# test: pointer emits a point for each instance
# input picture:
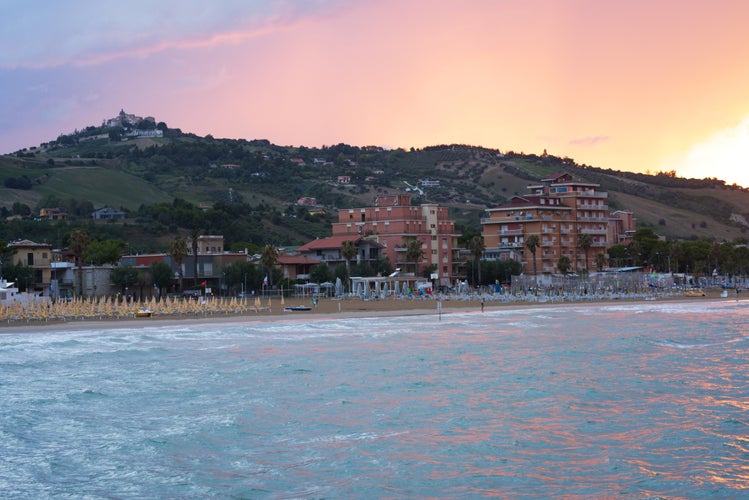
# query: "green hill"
(263, 181)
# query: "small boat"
(695, 292)
(297, 308)
(143, 313)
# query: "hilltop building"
(129, 120)
(569, 218)
(393, 221)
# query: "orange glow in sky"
(639, 85)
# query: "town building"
(205, 267)
(52, 214)
(37, 257)
(621, 227)
(296, 267)
(107, 213)
(570, 218)
(393, 221)
(330, 250)
(207, 243)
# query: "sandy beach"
(328, 309)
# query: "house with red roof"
(296, 267)
(329, 250)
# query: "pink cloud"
(89, 33)
(589, 141)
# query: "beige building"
(207, 243)
(38, 257)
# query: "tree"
(320, 273)
(78, 242)
(643, 245)
(22, 275)
(383, 267)
(617, 254)
(341, 272)
(6, 252)
(268, 258)
(177, 252)
(104, 252)
(348, 252)
(531, 243)
(477, 247)
(194, 234)
(115, 134)
(584, 242)
(21, 209)
(161, 272)
(600, 261)
(564, 264)
(242, 276)
(414, 252)
(124, 277)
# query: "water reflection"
(627, 401)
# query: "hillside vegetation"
(247, 190)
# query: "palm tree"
(585, 241)
(600, 261)
(6, 251)
(194, 235)
(477, 247)
(78, 242)
(268, 258)
(177, 252)
(564, 264)
(348, 252)
(414, 253)
(532, 243)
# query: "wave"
(675, 344)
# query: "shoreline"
(330, 309)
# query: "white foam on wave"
(680, 345)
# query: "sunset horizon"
(641, 87)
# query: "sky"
(637, 85)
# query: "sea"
(625, 400)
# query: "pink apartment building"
(393, 221)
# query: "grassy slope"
(102, 186)
(678, 223)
